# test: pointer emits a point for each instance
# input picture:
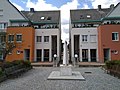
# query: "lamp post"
(75, 61)
(55, 60)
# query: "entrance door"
(106, 55)
(46, 55)
(93, 55)
(38, 55)
(85, 55)
(27, 54)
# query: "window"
(115, 36)
(39, 39)
(3, 25)
(46, 38)
(49, 18)
(2, 39)
(93, 38)
(88, 16)
(1, 55)
(84, 38)
(1, 12)
(19, 37)
(42, 18)
(10, 38)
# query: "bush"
(1, 72)
(17, 62)
(109, 64)
(27, 63)
(6, 64)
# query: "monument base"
(65, 73)
(55, 75)
(65, 70)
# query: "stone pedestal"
(65, 70)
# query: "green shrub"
(109, 64)
(27, 63)
(1, 72)
(6, 64)
(17, 62)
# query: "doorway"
(93, 55)
(106, 54)
(46, 55)
(27, 54)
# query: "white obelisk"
(65, 56)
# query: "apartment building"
(84, 33)
(47, 34)
(41, 27)
(109, 36)
(23, 39)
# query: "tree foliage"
(5, 46)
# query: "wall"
(105, 41)
(28, 34)
(47, 45)
(84, 45)
(9, 12)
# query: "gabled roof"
(37, 17)
(88, 15)
(17, 10)
(113, 10)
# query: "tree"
(6, 45)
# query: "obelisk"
(65, 54)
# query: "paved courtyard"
(36, 79)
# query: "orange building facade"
(23, 38)
(109, 42)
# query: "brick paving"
(36, 79)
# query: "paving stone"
(36, 79)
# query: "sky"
(65, 6)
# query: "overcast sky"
(64, 6)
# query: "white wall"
(47, 45)
(9, 12)
(84, 45)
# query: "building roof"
(37, 17)
(88, 15)
(17, 10)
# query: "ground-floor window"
(85, 55)
(1, 55)
(38, 55)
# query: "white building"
(9, 12)
(84, 33)
(47, 34)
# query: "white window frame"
(84, 38)
(3, 25)
(46, 40)
(116, 39)
(95, 38)
(38, 39)
(1, 12)
(21, 38)
(11, 35)
(42, 18)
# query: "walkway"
(36, 79)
